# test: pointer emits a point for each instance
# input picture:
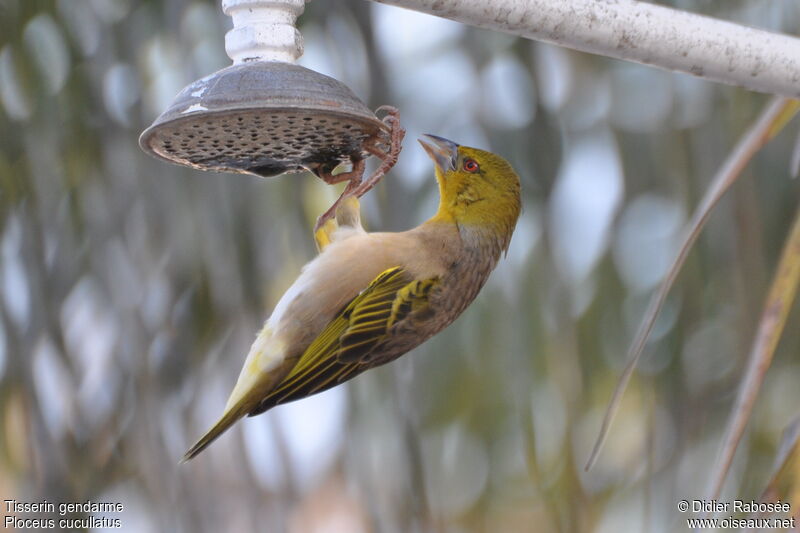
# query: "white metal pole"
(637, 31)
(263, 30)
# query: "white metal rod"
(637, 31)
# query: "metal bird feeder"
(263, 115)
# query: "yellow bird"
(368, 298)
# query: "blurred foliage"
(130, 290)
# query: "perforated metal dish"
(262, 118)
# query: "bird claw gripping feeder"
(265, 115)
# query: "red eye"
(470, 165)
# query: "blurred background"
(130, 289)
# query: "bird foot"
(388, 154)
(357, 186)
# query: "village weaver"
(368, 298)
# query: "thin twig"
(773, 319)
(795, 164)
(783, 483)
(762, 131)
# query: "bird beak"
(443, 152)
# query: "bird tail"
(230, 417)
(264, 368)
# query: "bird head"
(477, 188)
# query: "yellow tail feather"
(230, 417)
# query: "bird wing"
(373, 319)
(338, 353)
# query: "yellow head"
(477, 188)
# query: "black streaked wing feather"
(373, 319)
(413, 298)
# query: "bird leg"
(354, 174)
(354, 177)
